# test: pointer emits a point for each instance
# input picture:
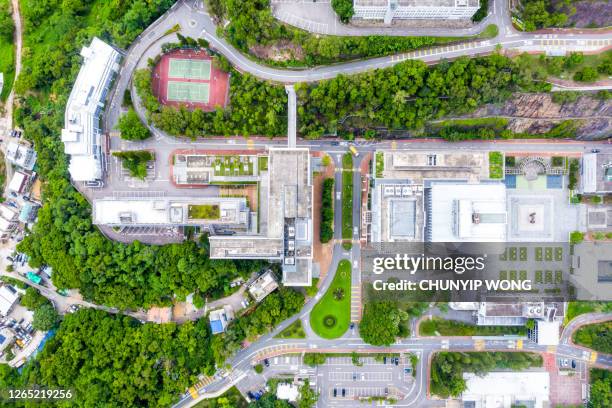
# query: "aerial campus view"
(296, 203)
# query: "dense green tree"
(327, 211)
(6, 25)
(447, 368)
(32, 299)
(601, 385)
(344, 9)
(308, 396)
(45, 317)
(381, 323)
(586, 74)
(135, 161)
(595, 336)
(117, 360)
(275, 308)
(131, 127)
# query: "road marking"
(250, 144)
(593, 357)
(519, 344)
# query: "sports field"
(189, 69)
(188, 78)
(188, 91)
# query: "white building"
(596, 175)
(263, 286)
(220, 318)
(18, 183)
(8, 221)
(388, 10)
(171, 211)
(286, 219)
(21, 155)
(288, 392)
(8, 298)
(82, 129)
(507, 389)
(467, 213)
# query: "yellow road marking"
(593, 357)
(193, 392)
(250, 144)
(519, 344)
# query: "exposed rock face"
(537, 113)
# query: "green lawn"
(577, 308)
(294, 331)
(234, 166)
(204, 212)
(331, 316)
(496, 165)
(231, 398)
(347, 199)
(380, 164)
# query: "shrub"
(586, 74)
(135, 161)
(327, 211)
(329, 321)
(510, 161)
(576, 237)
(131, 127)
(258, 369)
(344, 9)
(557, 161)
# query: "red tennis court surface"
(218, 82)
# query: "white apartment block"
(388, 10)
(82, 130)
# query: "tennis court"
(189, 69)
(188, 91)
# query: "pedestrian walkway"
(355, 303)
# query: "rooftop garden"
(496, 165)
(204, 212)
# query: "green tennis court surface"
(188, 91)
(189, 69)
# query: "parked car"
(267, 362)
(335, 392)
(343, 392)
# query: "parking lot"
(341, 382)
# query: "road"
(267, 346)
(195, 22)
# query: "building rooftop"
(18, 182)
(82, 134)
(418, 166)
(597, 173)
(220, 318)
(21, 155)
(157, 211)
(467, 212)
(285, 219)
(8, 297)
(263, 286)
(286, 391)
(532, 387)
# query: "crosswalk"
(355, 303)
(439, 50)
(274, 351)
(193, 390)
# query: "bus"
(34, 278)
(354, 151)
